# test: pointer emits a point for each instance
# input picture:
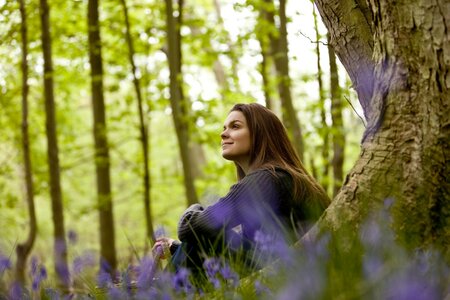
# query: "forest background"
(218, 38)
(111, 115)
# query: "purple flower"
(60, 247)
(5, 264)
(181, 282)
(35, 284)
(116, 294)
(104, 279)
(16, 292)
(38, 273)
(72, 236)
(52, 294)
(83, 261)
(34, 265)
(261, 289)
(217, 271)
(160, 232)
(63, 272)
(228, 275)
(408, 286)
(268, 247)
(372, 266)
(211, 266)
(104, 266)
(146, 272)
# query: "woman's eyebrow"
(232, 122)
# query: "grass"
(362, 264)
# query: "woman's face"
(236, 139)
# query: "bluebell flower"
(145, 273)
(33, 265)
(35, 284)
(261, 289)
(372, 266)
(5, 264)
(181, 282)
(104, 266)
(211, 266)
(16, 292)
(160, 232)
(60, 247)
(407, 286)
(269, 247)
(38, 273)
(72, 236)
(52, 294)
(229, 275)
(85, 260)
(63, 272)
(127, 280)
(104, 279)
(115, 293)
(77, 265)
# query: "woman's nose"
(224, 134)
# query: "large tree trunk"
(337, 131)
(60, 246)
(143, 128)
(279, 49)
(179, 107)
(105, 205)
(398, 56)
(23, 250)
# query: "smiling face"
(236, 139)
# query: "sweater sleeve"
(245, 204)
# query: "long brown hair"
(271, 148)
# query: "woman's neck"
(244, 166)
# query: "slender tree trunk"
(262, 31)
(279, 48)
(179, 109)
(102, 162)
(338, 135)
(143, 128)
(232, 53)
(23, 250)
(406, 147)
(60, 246)
(324, 130)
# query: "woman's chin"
(227, 156)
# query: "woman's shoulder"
(275, 173)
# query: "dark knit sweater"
(261, 201)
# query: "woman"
(274, 194)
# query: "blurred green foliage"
(205, 41)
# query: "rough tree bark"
(102, 163)
(143, 128)
(179, 109)
(60, 245)
(397, 54)
(23, 250)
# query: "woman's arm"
(245, 204)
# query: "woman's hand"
(161, 247)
